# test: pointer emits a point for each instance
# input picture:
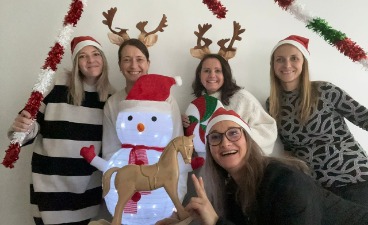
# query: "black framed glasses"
(232, 134)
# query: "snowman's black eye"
(130, 118)
(154, 119)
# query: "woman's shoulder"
(285, 180)
(323, 85)
(243, 94)
(282, 173)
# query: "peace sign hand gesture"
(200, 207)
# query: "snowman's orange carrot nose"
(140, 127)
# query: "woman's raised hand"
(200, 207)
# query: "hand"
(167, 221)
(200, 207)
(23, 122)
(88, 153)
(185, 120)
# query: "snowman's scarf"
(139, 157)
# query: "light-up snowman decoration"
(199, 112)
(144, 127)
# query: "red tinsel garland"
(284, 3)
(216, 7)
(12, 155)
(74, 13)
(55, 56)
(34, 103)
(350, 49)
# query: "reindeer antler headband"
(118, 37)
(199, 51)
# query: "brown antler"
(229, 52)
(150, 38)
(199, 50)
(202, 31)
(109, 18)
(141, 25)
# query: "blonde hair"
(308, 93)
(75, 82)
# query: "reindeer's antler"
(150, 38)
(229, 52)
(199, 50)
(141, 25)
(117, 37)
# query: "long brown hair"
(229, 87)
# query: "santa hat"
(82, 41)
(299, 42)
(153, 87)
(151, 90)
(222, 114)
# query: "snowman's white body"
(158, 132)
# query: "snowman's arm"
(88, 153)
(99, 163)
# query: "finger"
(199, 186)
(26, 114)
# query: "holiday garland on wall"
(45, 77)
(216, 8)
(334, 37)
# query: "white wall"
(29, 28)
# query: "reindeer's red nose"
(140, 127)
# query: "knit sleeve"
(110, 139)
(345, 105)
(263, 126)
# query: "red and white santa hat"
(82, 41)
(151, 91)
(222, 114)
(299, 42)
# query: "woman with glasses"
(243, 186)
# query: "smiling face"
(211, 75)
(133, 64)
(90, 64)
(229, 155)
(288, 65)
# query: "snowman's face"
(144, 127)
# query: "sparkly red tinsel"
(54, 57)
(12, 155)
(216, 7)
(284, 3)
(351, 49)
(34, 103)
(74, 13)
